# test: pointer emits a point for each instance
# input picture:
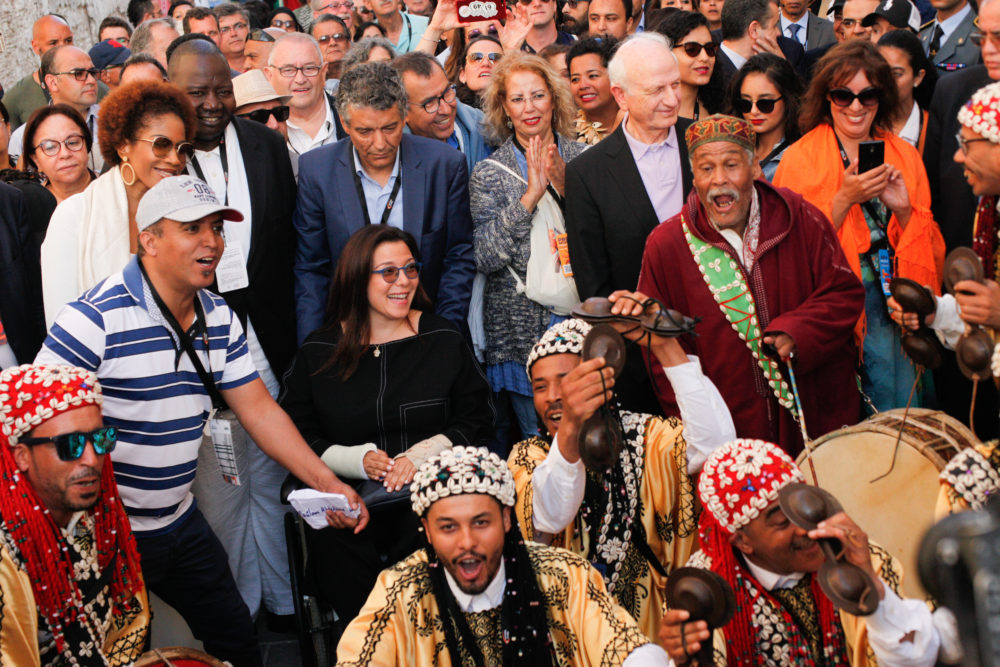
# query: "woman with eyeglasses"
(384, 385)
(881, 215)
(529, 112)
(766, 92)
(915, 78)
(599, 114)
(283, 18)
(145, 130)
(476, 67)
(695, 52)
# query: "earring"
(128, 182)
(510, 125)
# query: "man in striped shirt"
(125, 330)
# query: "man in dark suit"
(381, 175)
(623, 187)
(749, 27)
(801, 25)
(247, 165)
(948, 38)
(22, 320)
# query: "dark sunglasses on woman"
(280, 114)
(692, 49)
(70, 446)
(478, 57)
(764, 105)
(390, 274)
(842, 97)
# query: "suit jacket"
(952, 201)
(794, 54)
(20, 278)
(819, 32)
(435, 193)
(958, 51)
(268, 300)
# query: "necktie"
(793, 30)
(935, 41)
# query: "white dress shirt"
(377, 195)
(911, 131)
(737, 59)
(300, 141)
(659, 167)
(558, 486)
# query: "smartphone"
(871, 154)
(473, 11)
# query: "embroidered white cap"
(183, 198)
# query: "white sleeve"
(60, 259)
(707, 421)
(557, 487)
(948, 324)
(648, 655)
(901, 632)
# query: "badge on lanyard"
(222, 438)
(231, 273)
(885, 270)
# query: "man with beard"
(645, 504)
(764, 271)
(574, 17)
(247, 166)
(783, 618)
(478, 594)
(72, 588)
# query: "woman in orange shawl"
(882, 216)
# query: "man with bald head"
(29, 93)
(247, 165)
(70, 78)
(153, 37)
(258, 48)
(296, 68)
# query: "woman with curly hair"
(529, 111)
(145, 131)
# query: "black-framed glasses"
(432, 105)
(80, 73)
(692, 49)
(764, 105)
(74, 143)
(280, 114)
(478, 56)
(572, 4)
(261, 36)
(842, 97)
(162, 147)
(289, 71)
(390, 274)
(284, 25)
(70, 446)
(337, 37)
(963, 143)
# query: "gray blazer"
(958, 51)
(819, 32)
(513, 322)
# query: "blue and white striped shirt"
(152, 392)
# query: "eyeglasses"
(260, 36)
(230, 28)
(390, 274)
(572, 4)
(284, 25)
(81, 73)
(337, 37)
(432, 105)
(74, 142)
(364, 11)
(289, 71)
(963, 143)
(842, 97)
(479, 57)
(692, 49)
(764, 105)
(335, 5)
(162, 147)
(528, 2)
(848, 24)
(978, 36)
(70, 446)
(280, 114)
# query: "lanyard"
(225, 168)
(364, 201)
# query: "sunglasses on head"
(842, 97)
(390, 274)
(162, 147)
(479, 57)
(261, 36)
(337, 37)
(280, 114)
(764, 105)
(70, 446)
(692, 49)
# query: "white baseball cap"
(182, 198)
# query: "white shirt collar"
(737, 59)
(911, 131)
(488, 599)
(769, 580)
(949, 24)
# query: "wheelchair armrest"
(290, 484)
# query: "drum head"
(180, 656)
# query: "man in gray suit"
(947, 38)
(800, 24)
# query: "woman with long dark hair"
(694, 49)
(384, 385)
(915, 79)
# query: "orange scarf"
(812, 166)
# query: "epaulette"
(927, 25)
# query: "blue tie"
(794, 28)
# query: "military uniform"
(956, 52)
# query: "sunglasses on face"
(70, 446)
(162, 147)
(74, 142)
(337, 37)
(573, 4)
(476, 32)
(284, 25)
(390, 274)
(764, 105)
(80, 73)
(842, 97)
(479, 57)
(692, 49)
(280, 114)
(528, 2)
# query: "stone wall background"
(17, 16)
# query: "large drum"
(898, 509)
(177, 656)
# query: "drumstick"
(802, 419)
(165, 659)
(902, 425)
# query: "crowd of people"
(366, 244)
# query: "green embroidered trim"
(728, 285)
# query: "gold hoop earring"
(127, 182)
